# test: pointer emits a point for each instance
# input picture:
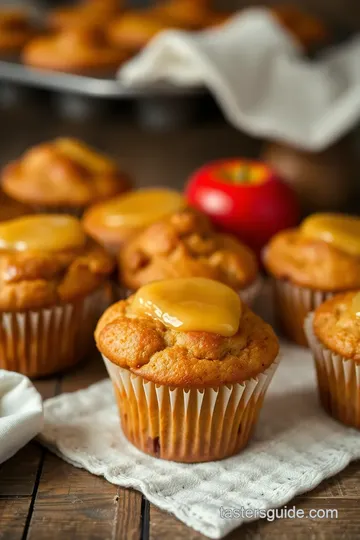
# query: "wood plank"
(18, 474)
(13, 514)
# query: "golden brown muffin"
(15, 30)
(167, 356)
(133, 30)
(310, 261)
(333, 332)
(63, 173)
(89, 13)
(161, 373)
(310, 264)
(114, 222)
(36, 276)
(337, 326)
(76, 50)
(186, 245)
(52, 283)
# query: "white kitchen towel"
(296, 446)
(260, 78)
(21, 413)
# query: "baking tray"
(158, 107)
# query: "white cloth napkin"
(260, 78)
(296, 446)
(21, 413)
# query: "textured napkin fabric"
(21, 413)
(260, 78)
(296, 446)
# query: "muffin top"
(323, 253)
(185, 245)
(63, 172)
(74, 50)
(162, 333)
(114, 221)
(134, 29)
(11, 209)
(47, 259)
(337, 325)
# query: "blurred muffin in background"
(52, 283)
(64, 176)
(15, 30)
(78, 50)
(183, 245)
(133, 30)
(88, 13)
(310, 264)
(114, 222)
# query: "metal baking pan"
(157, 107)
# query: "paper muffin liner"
(292, 304)
(75, 211)
(45, 341)
(248, 295)
(338, 380)
(188, 424)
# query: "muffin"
(184, 14)
(79, 50)
(52, 280)
(310, 264)
(133, 30)
(115, 221)
(15, 30)
(185, 245)
(89, 13)
(190, 365)
(333, 332)
(63, 175)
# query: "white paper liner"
(293, 303)
(188, 424)
(338, 380)
(42, 342)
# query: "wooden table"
(42, 497)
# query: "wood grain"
(13, 514)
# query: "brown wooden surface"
(42, 497)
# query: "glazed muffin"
(80, 50)
(181, 355)
(89, 13)
(133, 30)
(63, 175)
(114, 222)
(52, 280)
(15, 30)
(333, 332)
(185, 244)
(312, 263)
